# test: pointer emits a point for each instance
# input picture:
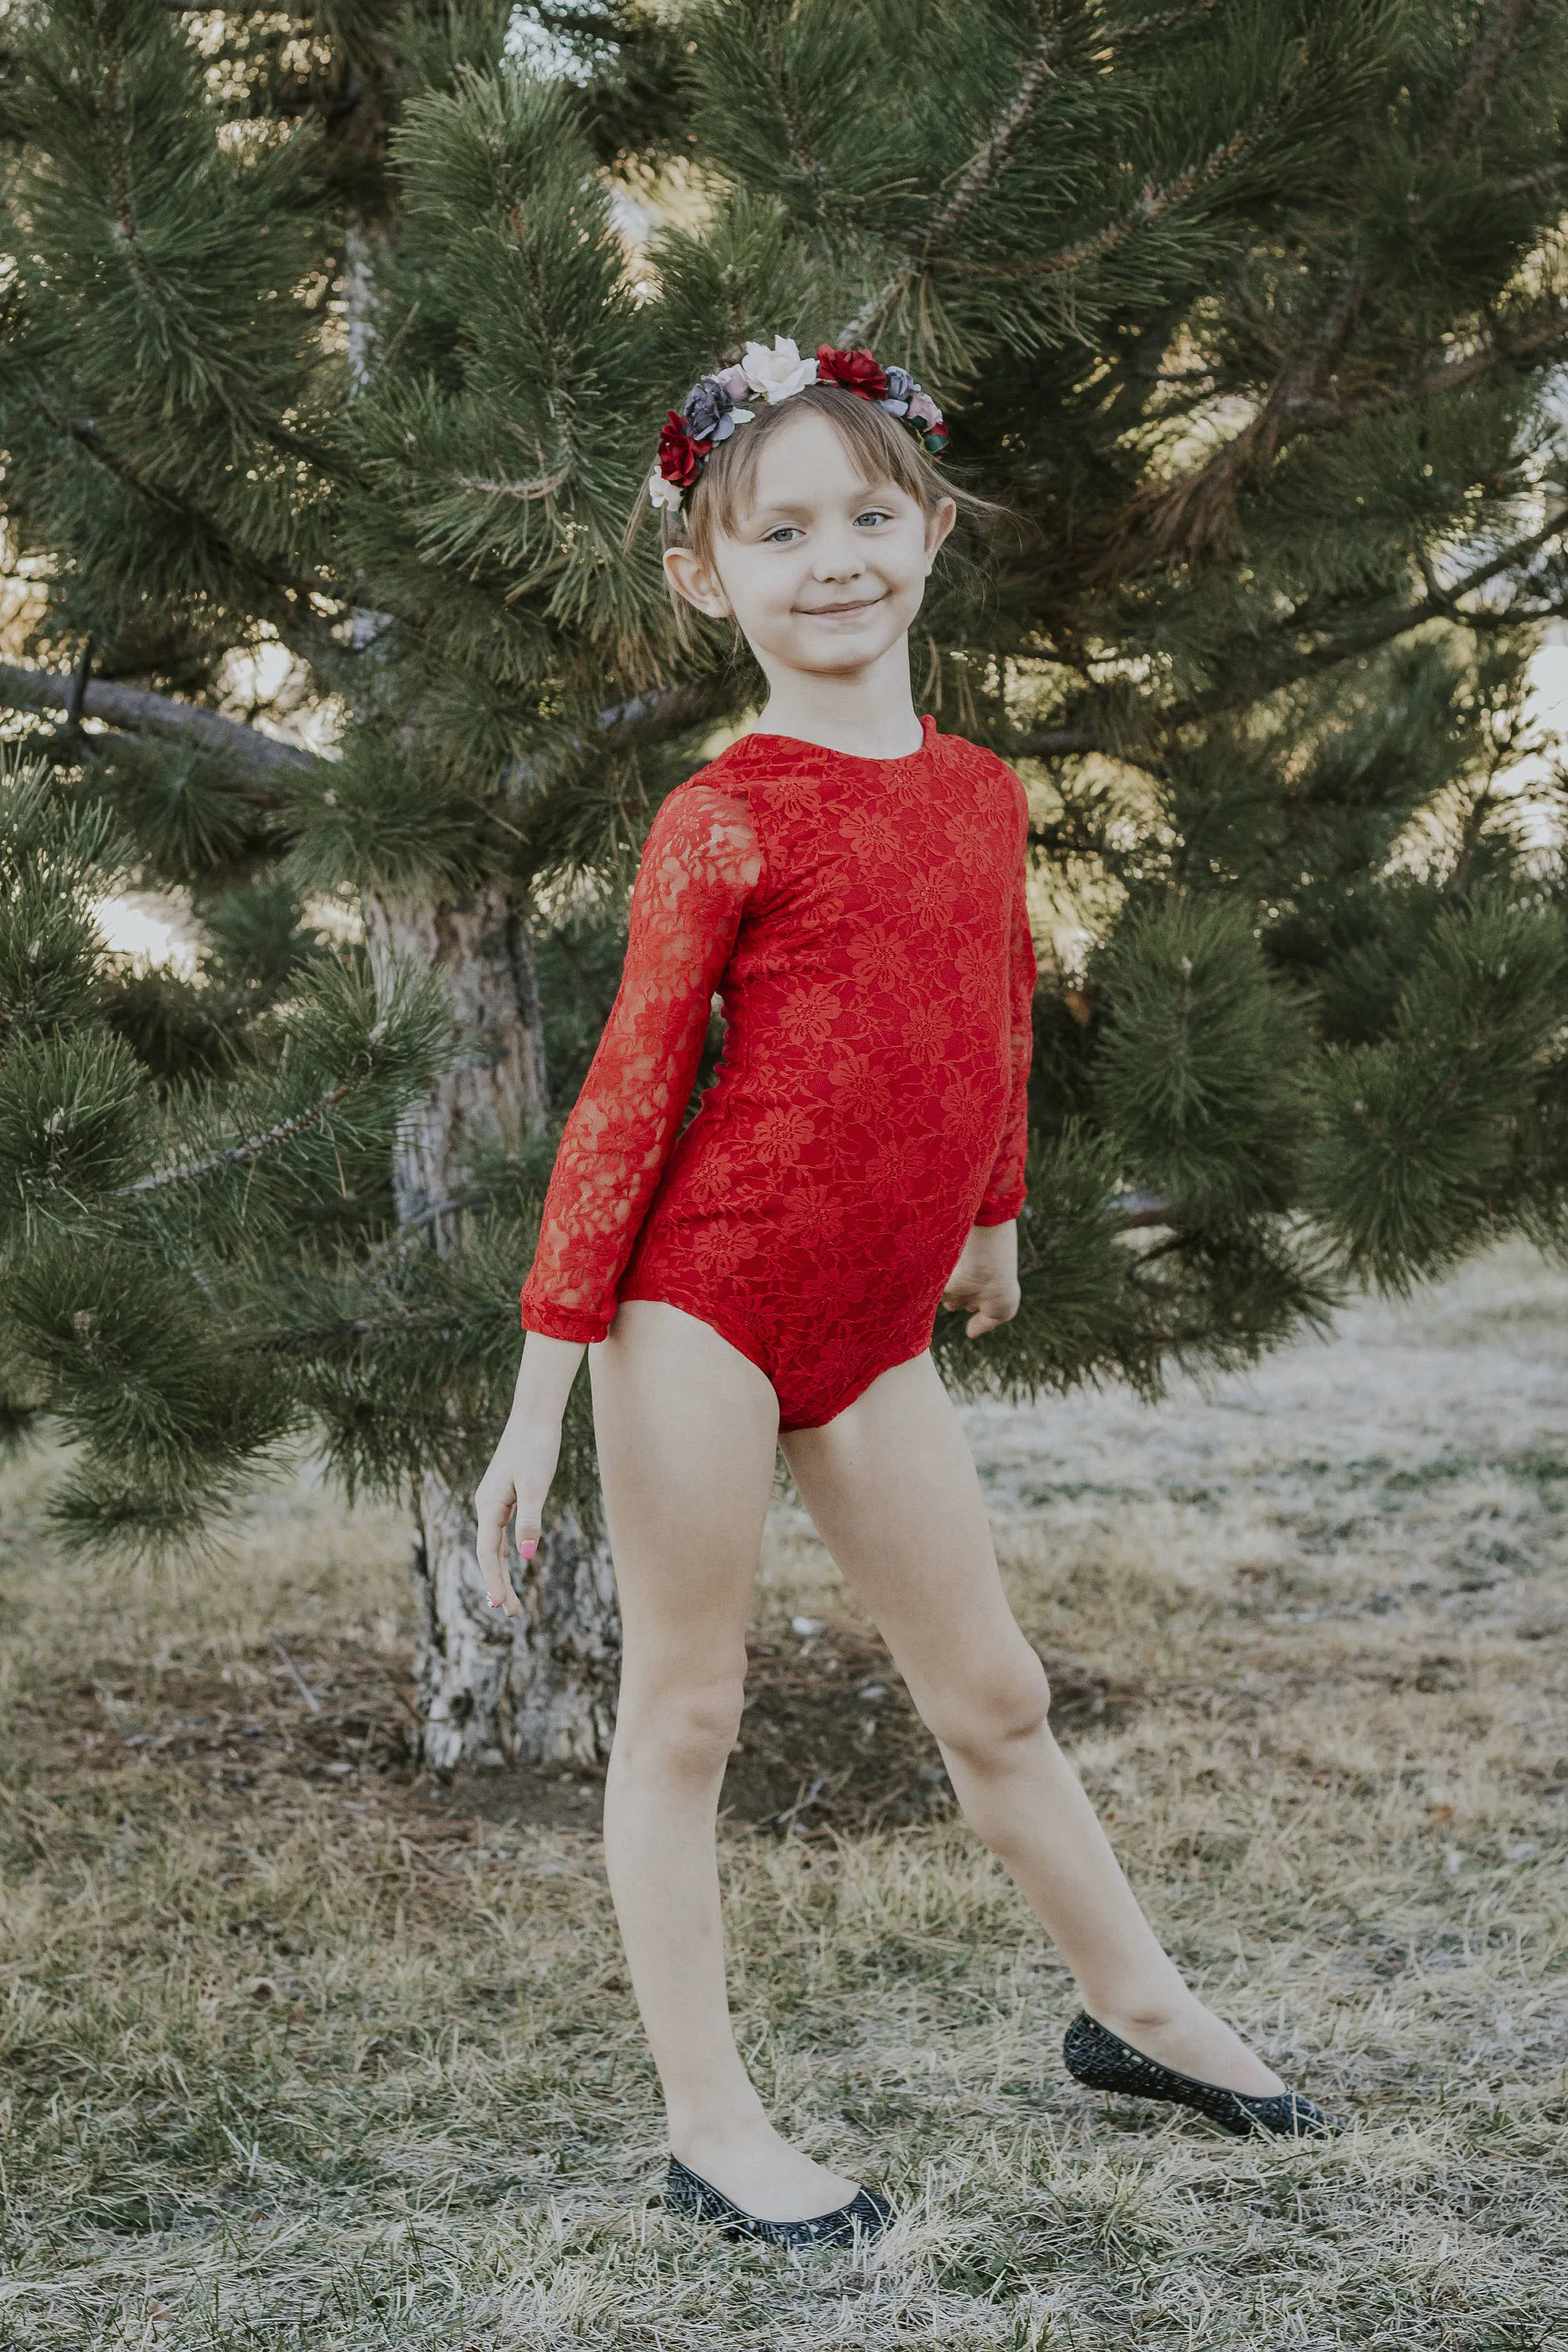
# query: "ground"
(300, 2051)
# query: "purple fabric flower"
(706, 405)
(711, 409)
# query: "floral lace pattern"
(864, 922)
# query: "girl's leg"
(892, 1489)
(687, 1430)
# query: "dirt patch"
(830, 1741)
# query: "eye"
(782, 535)
(872, 515)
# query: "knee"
(985, 1719)
(680, 1729)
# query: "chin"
(843, 662)
(849, 644)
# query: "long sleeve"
(700, 863)
(1004, 1189)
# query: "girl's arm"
(1004, 1189)
(986, 1279)
(524, 1460)
(700, 863)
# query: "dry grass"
(297, 2054)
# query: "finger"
(492, 1563)
(501, 1595)
(489, 1535)
(503, 1591)
(979, 1324)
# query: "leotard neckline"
(860, 759)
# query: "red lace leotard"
(865, 923)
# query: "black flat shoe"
(865, 2216)
(1096, 2056)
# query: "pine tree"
(333, 354)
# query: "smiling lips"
(831, 611)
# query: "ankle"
(1141, 2008)
(715, 2126)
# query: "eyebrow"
(782, 507)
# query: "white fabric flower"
(662, 493)
(727, 422)
(779, 374)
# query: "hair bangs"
(880, 448)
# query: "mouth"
(839, 611)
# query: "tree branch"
(1056, 743)
(542, 486)
(1526, 185)
(139, 711)
(1441, 606)
(189, 1171)
(1189, 510)
(1152, 204)
(1132, 1210)
(985, 166)
(1497, 44)
(1438, 605)
(1168, 20)
(1451, 375)
(86, 435)
(78, 686)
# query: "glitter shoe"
(865, 2216)
(1096, 2056)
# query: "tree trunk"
(538, 1688)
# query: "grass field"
(300, 2052)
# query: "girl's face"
(826, 570)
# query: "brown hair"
(883, 448)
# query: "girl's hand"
(516, 1483)
(986, 1279)
(523, 1463)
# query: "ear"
(939, 522)
(691, 578)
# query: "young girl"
(852, 883)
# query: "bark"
(538, 1688)
(139, 711)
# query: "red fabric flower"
(857, 370)
(679, 457)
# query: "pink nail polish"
(495, 1604)
(527, 1546)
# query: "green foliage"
(141, 1206)
(183, 810)
(163, 375)
(328, 345)
(1421, 1132)
(1202, 1075)
(141, 1365)
(384, 818)
(69, 1123)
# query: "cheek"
(909, 566)
(768, 589)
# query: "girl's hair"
(884, 450)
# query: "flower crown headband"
(710, 412)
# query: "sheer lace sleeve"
(700, 865)
(1004, 1189)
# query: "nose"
(840, 556)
